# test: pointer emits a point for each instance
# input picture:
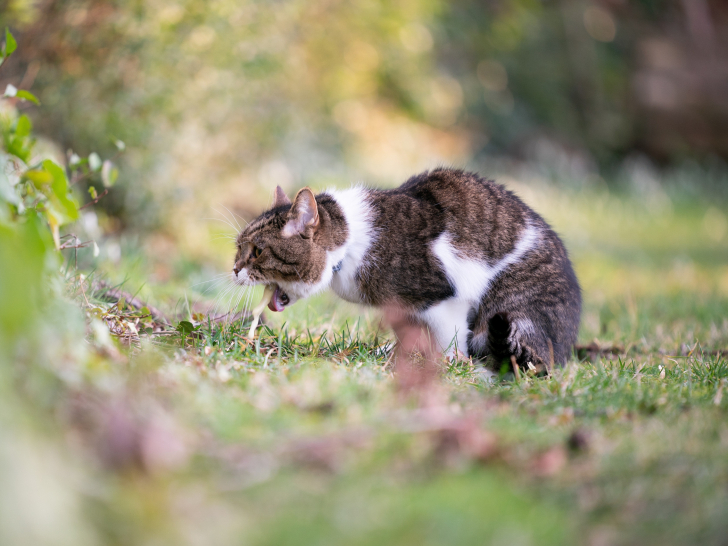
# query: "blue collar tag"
(337, 267)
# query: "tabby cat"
(457, 253)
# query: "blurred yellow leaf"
(39, 177)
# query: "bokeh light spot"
(600, 24)
(416, 38)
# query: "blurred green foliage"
(24, 250)
(36, 201)
(213, 94)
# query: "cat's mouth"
(279, 300)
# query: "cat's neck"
(348, 259)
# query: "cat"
(457, 253)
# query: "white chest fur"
(358, 214)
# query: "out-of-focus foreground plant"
(36, 202)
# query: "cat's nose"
(236, 269)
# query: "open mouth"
(279, 300)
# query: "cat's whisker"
(217, 277)
(235, 297)
(219, 300)
(226, 222)
(246, 304)
(210, 289)
(200, 295)
(212, 282)
(234, 216)
(244, 300)
(237, 303)
(228, 292)
(236, 226)
(218, 283)
(226, 309)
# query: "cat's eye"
(257, 251)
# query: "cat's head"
(282, 248)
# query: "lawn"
(196, 435)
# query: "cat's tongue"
(275, 303)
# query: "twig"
(95, 200)
(66, 246)
(75, 247)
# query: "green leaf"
(97, 312)
(24, 255)
(121, 303)
(64, 208)
(17, 140)
(109, 174)
(185, 327)
(23, 127)
(20, 147)
(39, 177)
(10, 43)
(27, 95)
(92, 192)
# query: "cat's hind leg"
(447, 321)
(507, 335)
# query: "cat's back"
(481, 217)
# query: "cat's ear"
(303, 218)
(280, 197)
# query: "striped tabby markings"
(470, 278)
(297, 290)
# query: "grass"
(306, 436)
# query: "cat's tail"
(505, 340)
(499, 330)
